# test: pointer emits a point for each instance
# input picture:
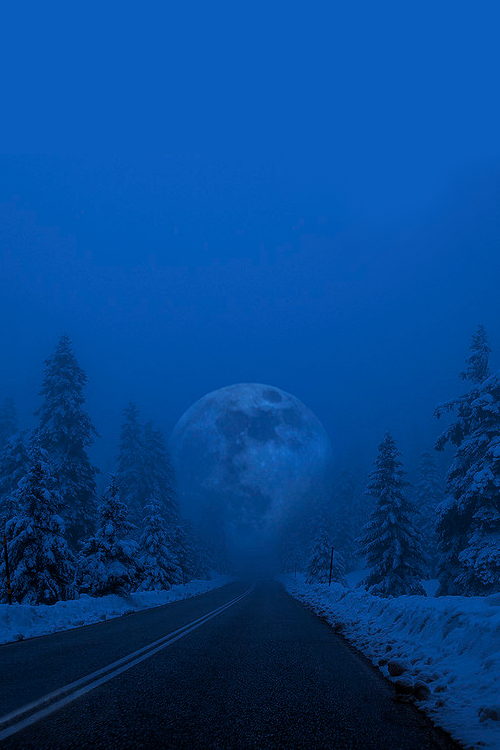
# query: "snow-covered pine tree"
(159, 472)
(42, 565)
(14, 462)
(391, 542)
(318, 568)
(477, 370)
(8, 421)
(476, 485)
(65, 432)
(428, 495)
(108, 562)
(160, 567)
(130, 475)
(453, 521)
(478, 363)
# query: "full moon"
(246, 453)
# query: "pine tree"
(42, 565)
(158, 471)
(160, 568)
(453, 518)
(108, 562)
(8, 421)
(476, 485)
(130, 475)
(428, 495)
(14, 462)
(65, 432)
(478, 363)
(390, 541)
(318, 568)
(477, 370)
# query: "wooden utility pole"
(331, 566)
(7, 572)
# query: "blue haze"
(337, 234)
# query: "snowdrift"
(21, 621)
(445, 652)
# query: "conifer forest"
(250, 376)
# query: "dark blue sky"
(335, 230)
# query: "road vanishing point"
(243, 666)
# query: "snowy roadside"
(21, 621)
(444, 650)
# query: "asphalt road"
(263, 673)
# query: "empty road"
(240, 667)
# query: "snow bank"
(450, 644)
(21, 621)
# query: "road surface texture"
(263, 673)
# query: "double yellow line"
(29, 714)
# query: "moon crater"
(247, 452)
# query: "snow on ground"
(20, 621)
(449, 646)
(430, 587)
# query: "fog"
(250, 375)
(343, 250)
(368, 325)
(168, 294)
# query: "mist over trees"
(61, 539)
(325, 564)
(160, 563)
(401, 534)
(456, 512)
(14, 462)
(109, 560)
(428, 494)
(65, 431)
(474, 480)
(43, 565)
(391, 542)
(8, 421)
(348, 517)
(129, 475)
(158, 470)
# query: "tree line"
(60, 538)
(407, 534)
